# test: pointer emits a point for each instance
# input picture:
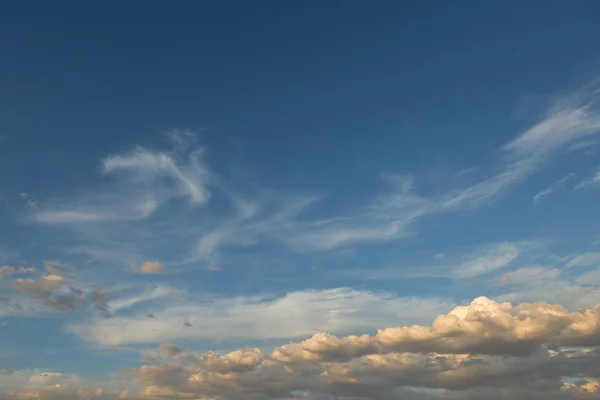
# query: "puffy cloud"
(6, 270)
(48, 290)
(170, 350)
(151, 267)
(483, 327)
(484, 349)
(586, 386)
(248, 375)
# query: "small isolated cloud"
(28, 201)
(213, 268)
(151, 267)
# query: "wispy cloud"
(593, 181)
(571, 120)
(147, 180)
(584, 260)
(556, 185)
(489, 259)
(260, 317)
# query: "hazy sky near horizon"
(206, 200)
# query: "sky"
(337, 200)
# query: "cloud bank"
(486, 348)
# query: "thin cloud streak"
(148, 179)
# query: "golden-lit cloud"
(484, 349)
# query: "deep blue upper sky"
(409, 149)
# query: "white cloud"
(540, 195)
(391, 215)
(294, 315)
(147, 166)
(489, 349)
(148, 295)
(589, 277)
(490, 258)
(593, 181)
(148, 179)
(584, 260)
(556, 185)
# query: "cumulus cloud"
(151, 267)
(486, 348)
(464, 353)
(483, 327)
(7, 270)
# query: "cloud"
(489, 349)
(147, 166)
(584, 260)
(593, 181)
(6, 270)
(151, 267)
(556, 185)
(261, 317)
(147, 296)
(585, 386)
(483, 327)
(52, 385)
(529, 275)
(170, 350)
(28, 201)
(49, 291)
(541, 195)
(491, 258)
(148, 179)
(390, 216)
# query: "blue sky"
(219, 175)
